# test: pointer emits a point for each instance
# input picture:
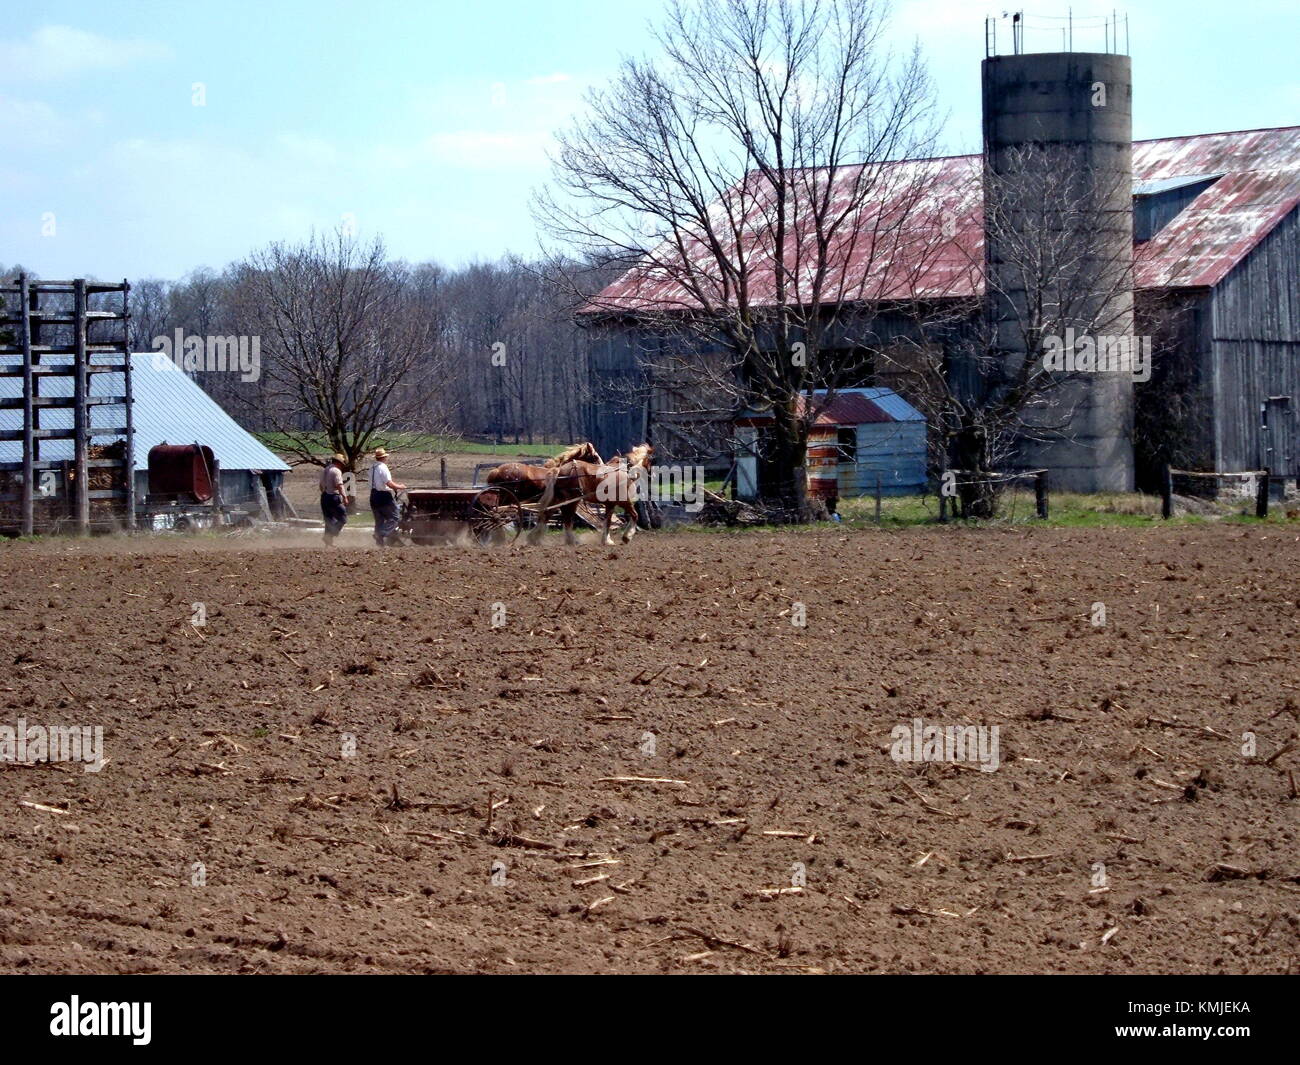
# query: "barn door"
(1278, 433)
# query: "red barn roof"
(921, 234)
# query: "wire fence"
(1214, 491)
(982, 493)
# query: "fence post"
(442, 471)
(1261, 495)
(877, 498)
(1167, 493)
(1040, 494)
(29, 410)
(81, 410)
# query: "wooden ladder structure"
(49, 331)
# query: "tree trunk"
(788, 484)
(970, 457)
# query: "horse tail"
(548, 495)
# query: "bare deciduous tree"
(349, 340)
(746, 179)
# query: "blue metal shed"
(878, 432)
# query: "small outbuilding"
(167, 408)
(860, 437)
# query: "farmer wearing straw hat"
(333, 497)
(383, 499)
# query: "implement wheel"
(495, 516)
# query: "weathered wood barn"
(1216, 275)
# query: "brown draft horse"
(527, 482)
(614, 484)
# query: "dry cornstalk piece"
(591, 880)
(331, 839)
(513, 840)
(43, 808)
(595, 862)
(930, 805)
(1265, 930)
(311, 802)
(595, 904)
(641, 780)
(786, 833)
(718, 941)
(437, 837)
(1106, 938)
(773, 892)
(911, 911)
(1027, 857)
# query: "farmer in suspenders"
(383, 500)
(333, 497)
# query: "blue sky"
(428, 122)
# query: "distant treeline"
(504, 359)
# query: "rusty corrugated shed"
(851, 406)
(921, 235)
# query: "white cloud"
(548, 79)
(479, 148)
(55, 52)
(29, 123)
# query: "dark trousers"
(384, 505)
(335, 513)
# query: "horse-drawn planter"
(490, 515)
(519, 497)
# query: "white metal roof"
(169, 408)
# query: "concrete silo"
(1058, 130)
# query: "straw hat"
(340, 458)
(380, 454)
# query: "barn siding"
(615, 410)
(1255, 325)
